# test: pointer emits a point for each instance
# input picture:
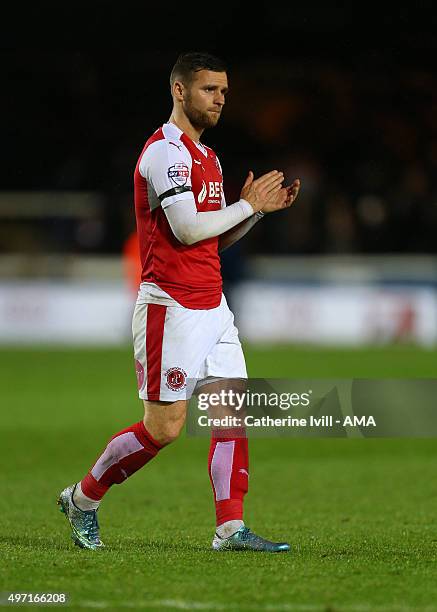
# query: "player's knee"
(170, 435)
(168, 432)
(164, 420)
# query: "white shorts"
(177, 348)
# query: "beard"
(199, 119)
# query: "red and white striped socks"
(228, 466)
(133, 447)
(126, 452)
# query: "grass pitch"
(360, 514)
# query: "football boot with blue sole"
(84, 524)
(245, 539)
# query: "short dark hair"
(194, 61)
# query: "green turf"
(360, 514)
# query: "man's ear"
(178, 90)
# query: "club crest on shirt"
(176, 379)
(178, 173)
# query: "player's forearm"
(190, 226)
(231, 236)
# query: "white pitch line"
(181, 604)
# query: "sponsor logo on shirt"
(215, 189)
(202, 195)
(214, 192)
(179, 173)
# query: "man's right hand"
(260, 191)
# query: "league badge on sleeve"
(179, 173)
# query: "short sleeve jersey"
(171, 168)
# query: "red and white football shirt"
(171, 168)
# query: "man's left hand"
(283, 198)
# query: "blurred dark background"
(343, 97)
